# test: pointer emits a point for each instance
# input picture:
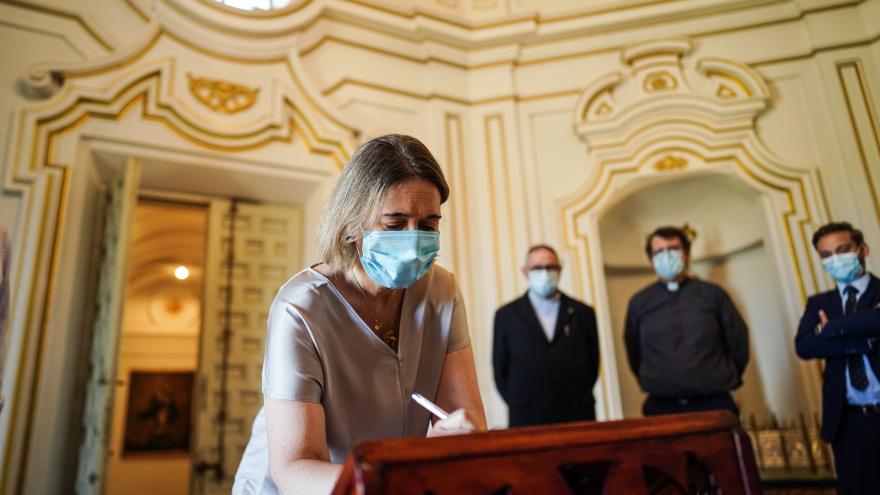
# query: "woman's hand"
(459, 422)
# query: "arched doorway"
(732, 250)
(668, 117)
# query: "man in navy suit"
(546, 349)
(842, 326)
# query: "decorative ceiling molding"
(434, 32)
(426, 35)
(302, 101)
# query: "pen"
(434, 408)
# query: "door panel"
(112, 278)
(267, 247)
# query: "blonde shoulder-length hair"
(355, 201)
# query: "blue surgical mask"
(844, 267)
(543, 282)
(398, 259)
(669, 263)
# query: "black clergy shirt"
(686, 343)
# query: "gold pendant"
(377, 327)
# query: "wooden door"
(123, 194)
(265, 244)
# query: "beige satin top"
(319, 350)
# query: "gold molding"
(659, 81)
(867, 101)
(669, 163)
(724, 92)
(222, 96)
(44, 131)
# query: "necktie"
(855, 364)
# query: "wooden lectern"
(701, 453)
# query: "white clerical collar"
(861, 284)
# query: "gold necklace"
(388, 337)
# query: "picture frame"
(158, 418)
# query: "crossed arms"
(818, 337)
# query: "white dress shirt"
(547, 310)
(870, 395)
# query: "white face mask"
(844, 267)
(668, 264)
(543, 282)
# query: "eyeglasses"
(551, 268)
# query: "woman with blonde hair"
(349, 339)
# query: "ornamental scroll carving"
(222, 96)
(661, 74)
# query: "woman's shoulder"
(303, 287)
(442, 284)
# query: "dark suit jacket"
(546, 382)
(843, 336)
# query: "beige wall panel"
(109, 23)
(33, 43)
(30, 46)
(850, 87)
(391, 114)
(788, 127)
(490, 83)
(815, 132)
(485, 244)
(334, 66)
(568, 75)
(862, 113)
(76, 36)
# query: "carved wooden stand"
(703, 453)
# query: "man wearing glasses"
(686, 342)
(842, 326)
(545, 352)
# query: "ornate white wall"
(509, 96)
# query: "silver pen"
(430, 406)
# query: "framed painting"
(158, 418)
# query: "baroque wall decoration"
(665, 114)
(222, 96)
(135, 82)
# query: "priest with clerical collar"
(686, 342)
